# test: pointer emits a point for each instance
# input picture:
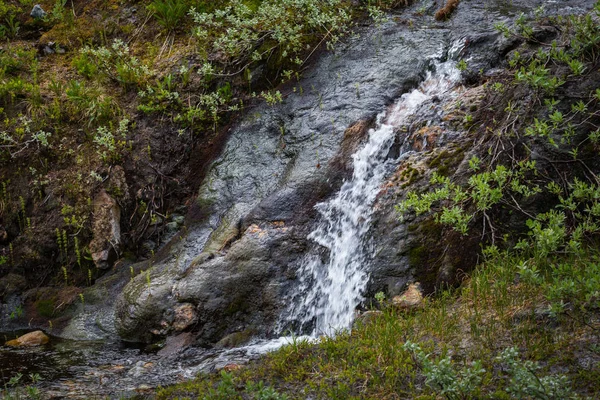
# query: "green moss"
(410, 175)
(417, 255)
(45, 308)
(239, 304)
(447, 161)
(437, 159)
(237, 338)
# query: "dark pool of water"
(71, 369)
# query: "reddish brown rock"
(231, 367)
(106, 244)
(185, 316)
(36, 338)
(425, 138)
(175, 344)
(411, 298)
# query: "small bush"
(116, 63)
(524, 382)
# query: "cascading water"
(331, 289)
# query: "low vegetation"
(495, 337)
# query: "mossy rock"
(236, 339)
(45, 307)
(447, 161)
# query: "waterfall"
(331, 288)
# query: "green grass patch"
(495, 337)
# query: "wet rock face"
(236, 265)
(416, 247)
(240, 257)
(219, 294)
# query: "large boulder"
(218, 294)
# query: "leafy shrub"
(13, 88)
(14, 390)
(442, 376)
(58, 12)
(109, 143)
(159, 98)
(22, 137)
(557, 252)
(521, 378)
(16, 59)
(523, 381)
(283, 26)
(117, 64)
(84, 66)
(539, 77)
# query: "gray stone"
(140, 368)
(178, 219)
(38, 12)
(172, 227)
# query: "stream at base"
(83, 369)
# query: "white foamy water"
(331, 289)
